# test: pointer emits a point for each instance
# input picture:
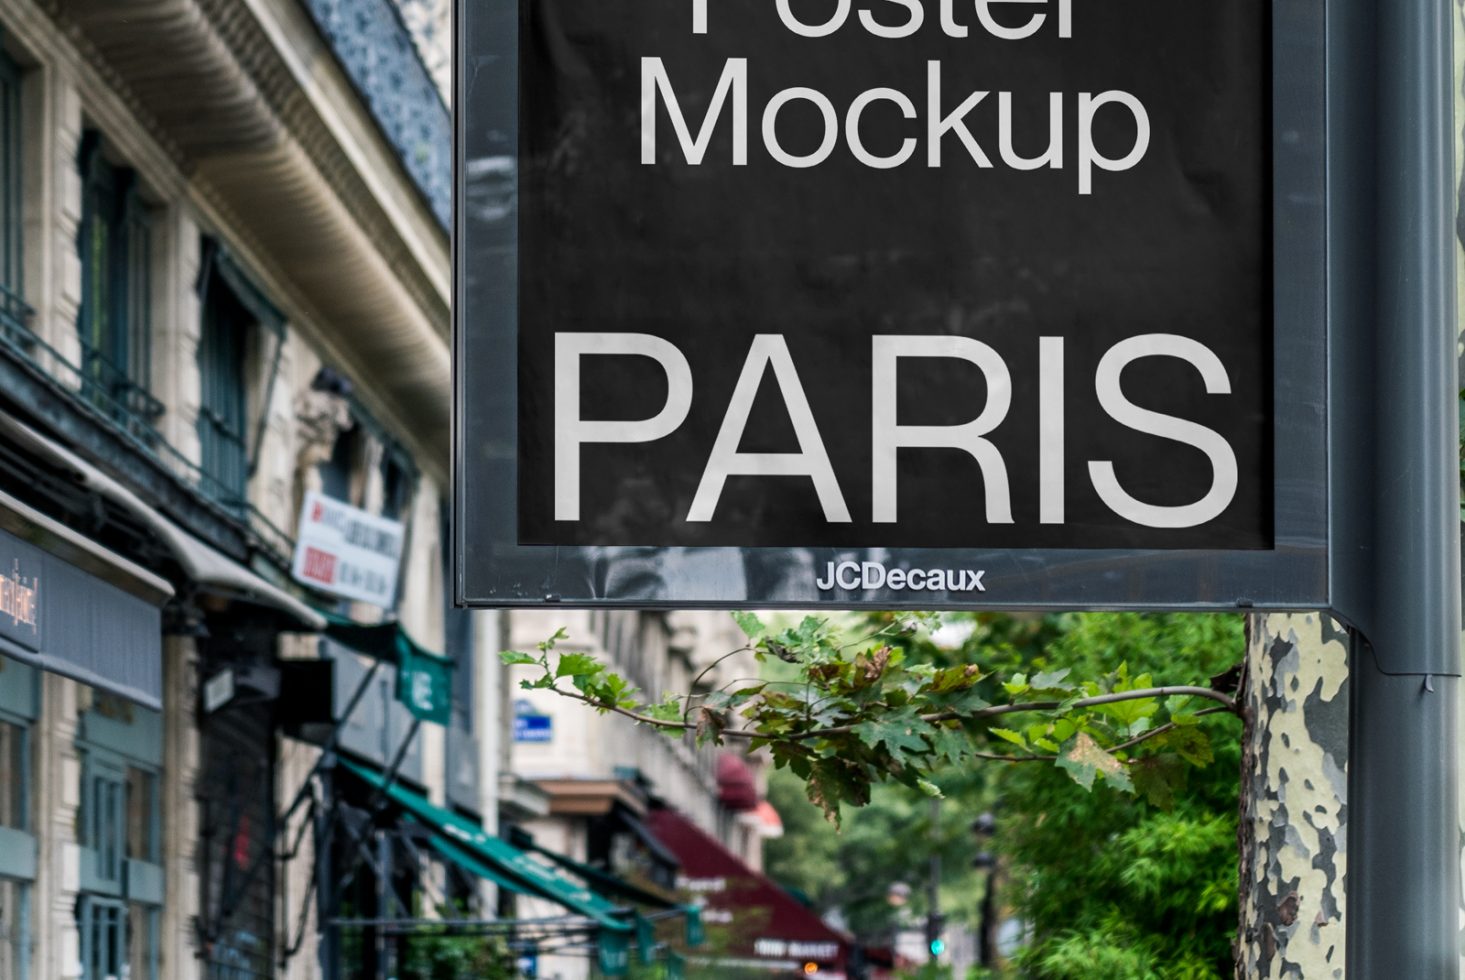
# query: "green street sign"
(425, 685)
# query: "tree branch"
(692, 688)
(1226, 703)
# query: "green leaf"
(1050, 680)
(930, 788)
(1009, 735)
(1083, 759)
(512, 657)
(954, 679)
(547, 645)
(900, 738)
(578, 665)
(669, 709)
(750, 624)
(1157, 778)
(1018, 685)
(1191, 743)
(949, 743)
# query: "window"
(142, 941)
(120, 831)
(142, 842)
(336, 473)
(13, 311)
(15, 931)
(397, 484)
(114, 241)
(221, 360)
(103, 796)
(14, 775)
(103, 936)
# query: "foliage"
(862, 710)
(851, 870)
(1107, 885)
(438, 953)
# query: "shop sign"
(115, 648)
(883, 304)
(20, 605)
(795, 949)
(218, 690)
(347, 552)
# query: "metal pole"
(1396, 487)
(327, 895)
(933, 886)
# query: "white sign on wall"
(347, 552)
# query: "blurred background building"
(243, 732)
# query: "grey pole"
(1395, 485)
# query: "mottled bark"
(1294, 799)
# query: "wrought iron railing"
(98, 389)
(114, 392)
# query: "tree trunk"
(1294, 799)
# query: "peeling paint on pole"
(1294, 799)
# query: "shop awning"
(762, 924)
(638, 828)
(386, 641)
(476, 850)
(73, 608)
(204, 565)
(603, 882)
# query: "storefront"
(89, 768)
(754, 928)
(72, 608)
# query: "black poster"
(901, 273)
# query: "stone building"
(224, 306)
(223, 284)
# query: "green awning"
(424, 678)
(456, 855)
(386, 642)
(602, 881)
(502, 862)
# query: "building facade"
(223, 285)
(224, 311)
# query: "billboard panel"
(890, 303)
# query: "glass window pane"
(142, 942)
(142, 810)
(14, 929)
(12, 776)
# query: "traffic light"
(935, 923)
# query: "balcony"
(112, 421)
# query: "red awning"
(762, 924)
(736, 787)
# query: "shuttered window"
(222, 421)
(114, 241)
